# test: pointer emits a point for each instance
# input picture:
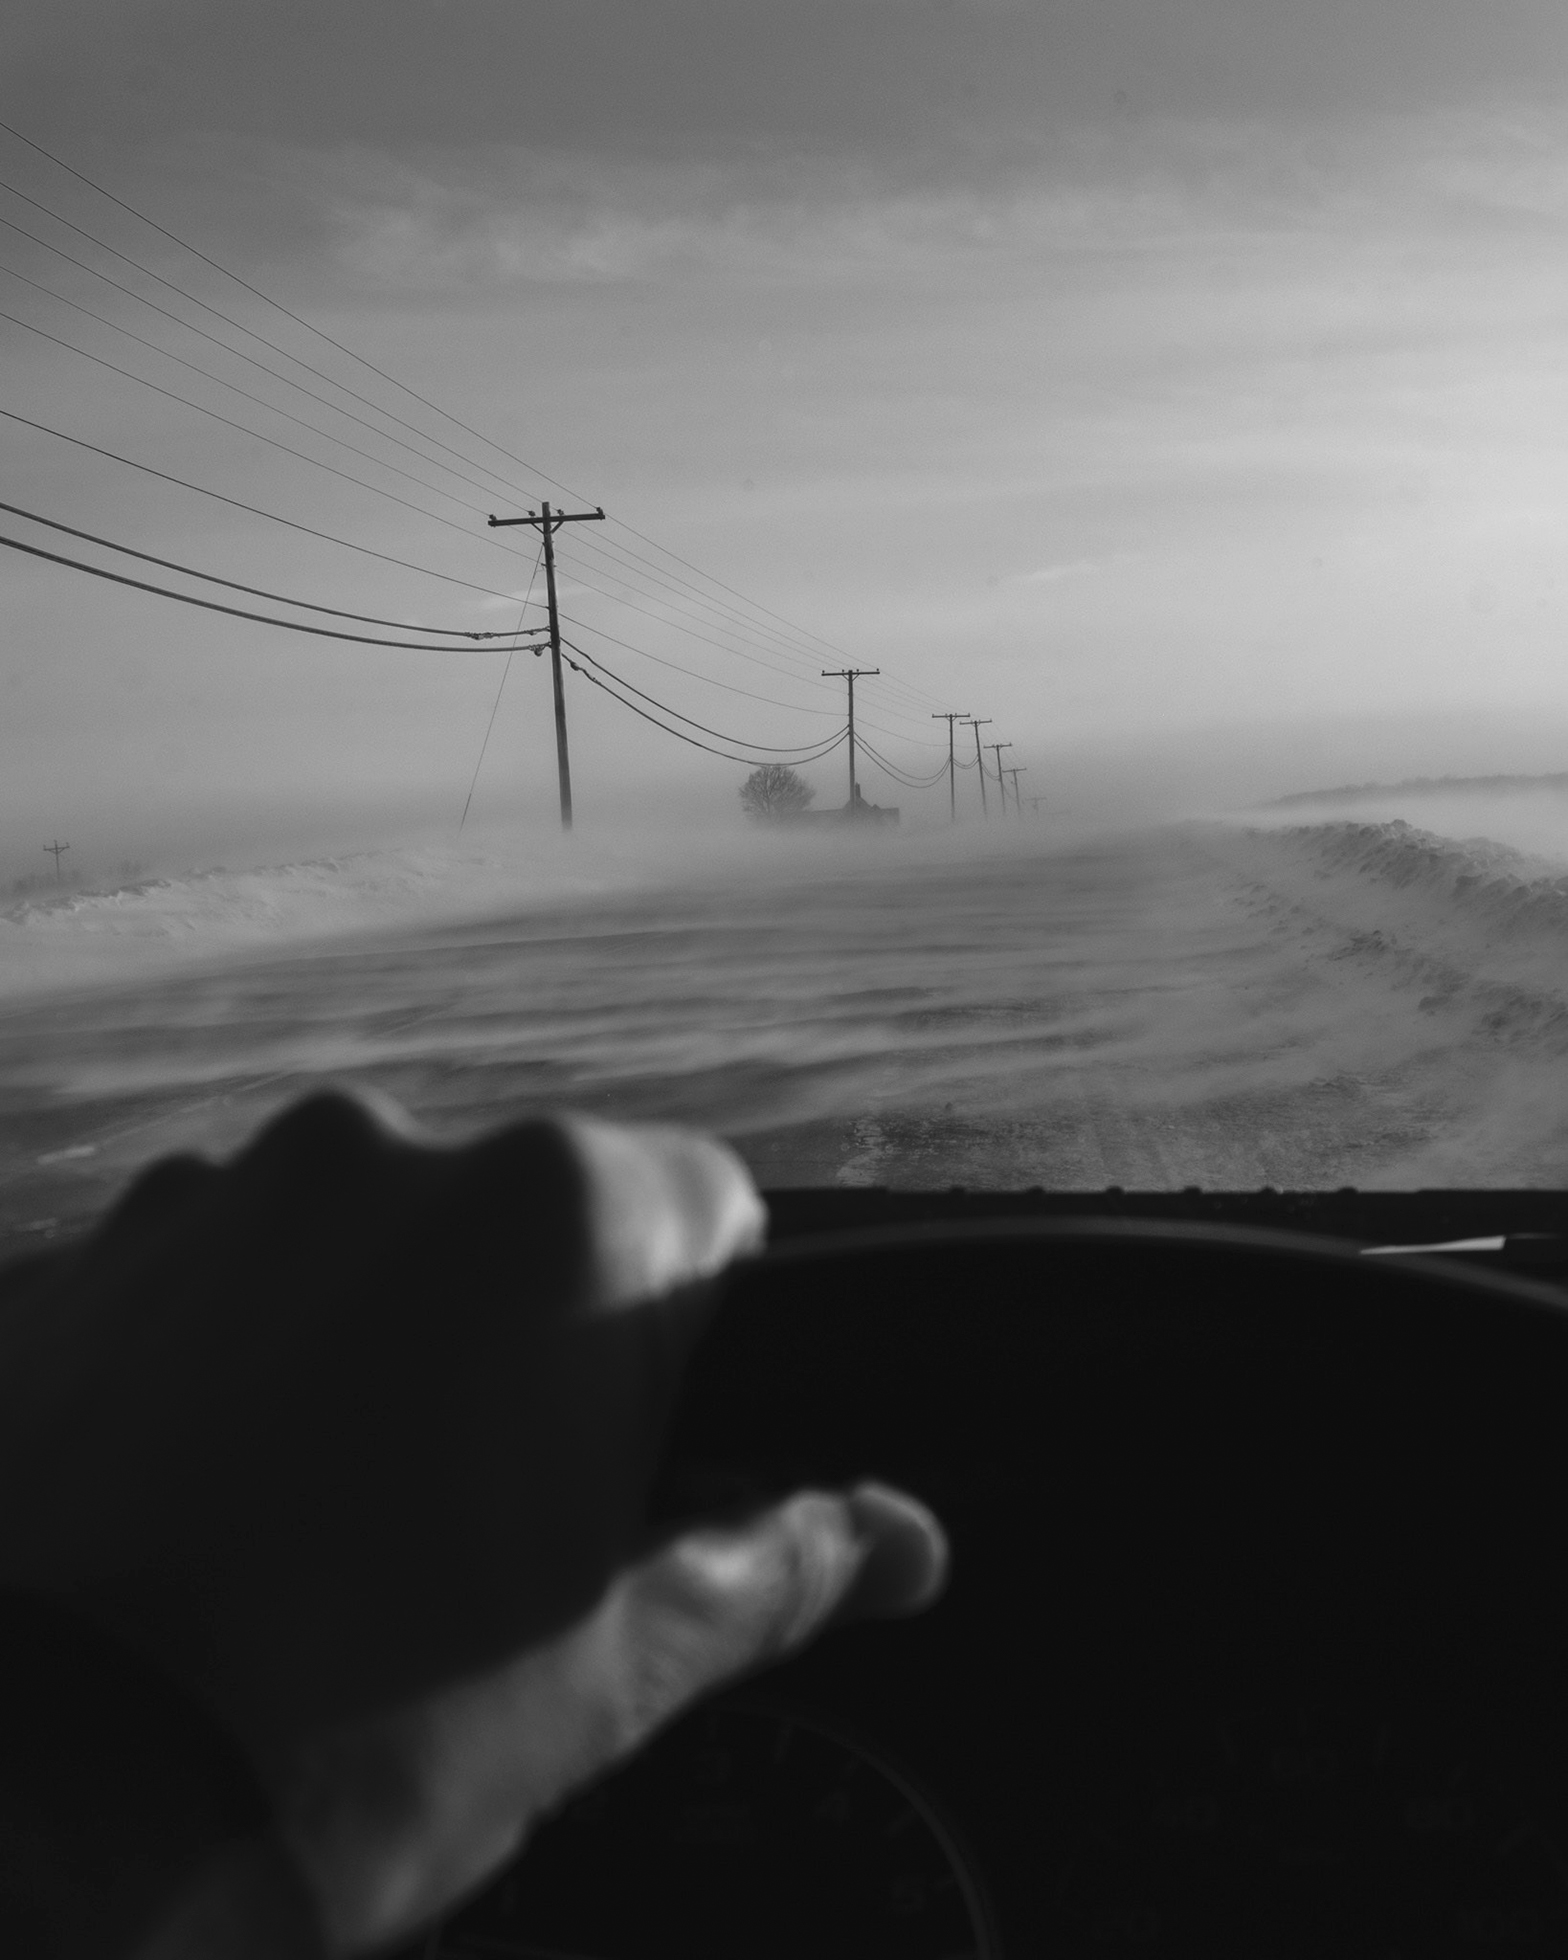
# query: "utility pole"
(57, 847)
(850, 674)
(1035, 802)
(952, 781)
(549, 523)
(1018, 805)
(971, 722)
(1000, 785)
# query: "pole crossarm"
(850, 674)
(555, 519)
(549, 522)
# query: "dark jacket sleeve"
(116, 1791)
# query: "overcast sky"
(1181, 383)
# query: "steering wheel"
(1256, 1636)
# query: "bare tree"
(774, 791)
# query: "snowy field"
(1353, 998)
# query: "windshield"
(964, 593)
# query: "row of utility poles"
(548, 522)
(977, 723)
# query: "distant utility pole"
(1018, 805)
(850, 674)
(970, 722)
(1035, 802)
(549, 523)
(952, 789)
(1000, 785)
(57, 848)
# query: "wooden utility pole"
(850, 674)
(1035, 802)
(970, 722)
(57, 848)
(549, 523)
(952, 781)
(1022, 770)
(1000, 785)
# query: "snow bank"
(72, 939)
(1478, 925)
(78, 938)
(1471, 884)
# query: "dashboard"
(1256, 1631)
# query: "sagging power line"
(605, 687)
(254, 510)
(799, 751)
(804, 635)
(260, 592)
(792, 642)
(234, 612)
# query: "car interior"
(1253, 1636)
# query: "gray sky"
(1179, 383)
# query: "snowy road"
(1335, 1005)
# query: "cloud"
(924, 93)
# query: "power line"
(899, 775)
(255, 510)
(256, 591)
(244, 429)
(743, 759)
(371, 367)
(272, 408)
(631, 606)
(227, 318)
(720, 622)
(496, 709)
(727, 617)
(795, 647)
(770, 666)
(376, 489)
(236, 353)
(707, 679)
(691, 673)
(262, 402)
(341, 387)
(211, 605)
(740, 741)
